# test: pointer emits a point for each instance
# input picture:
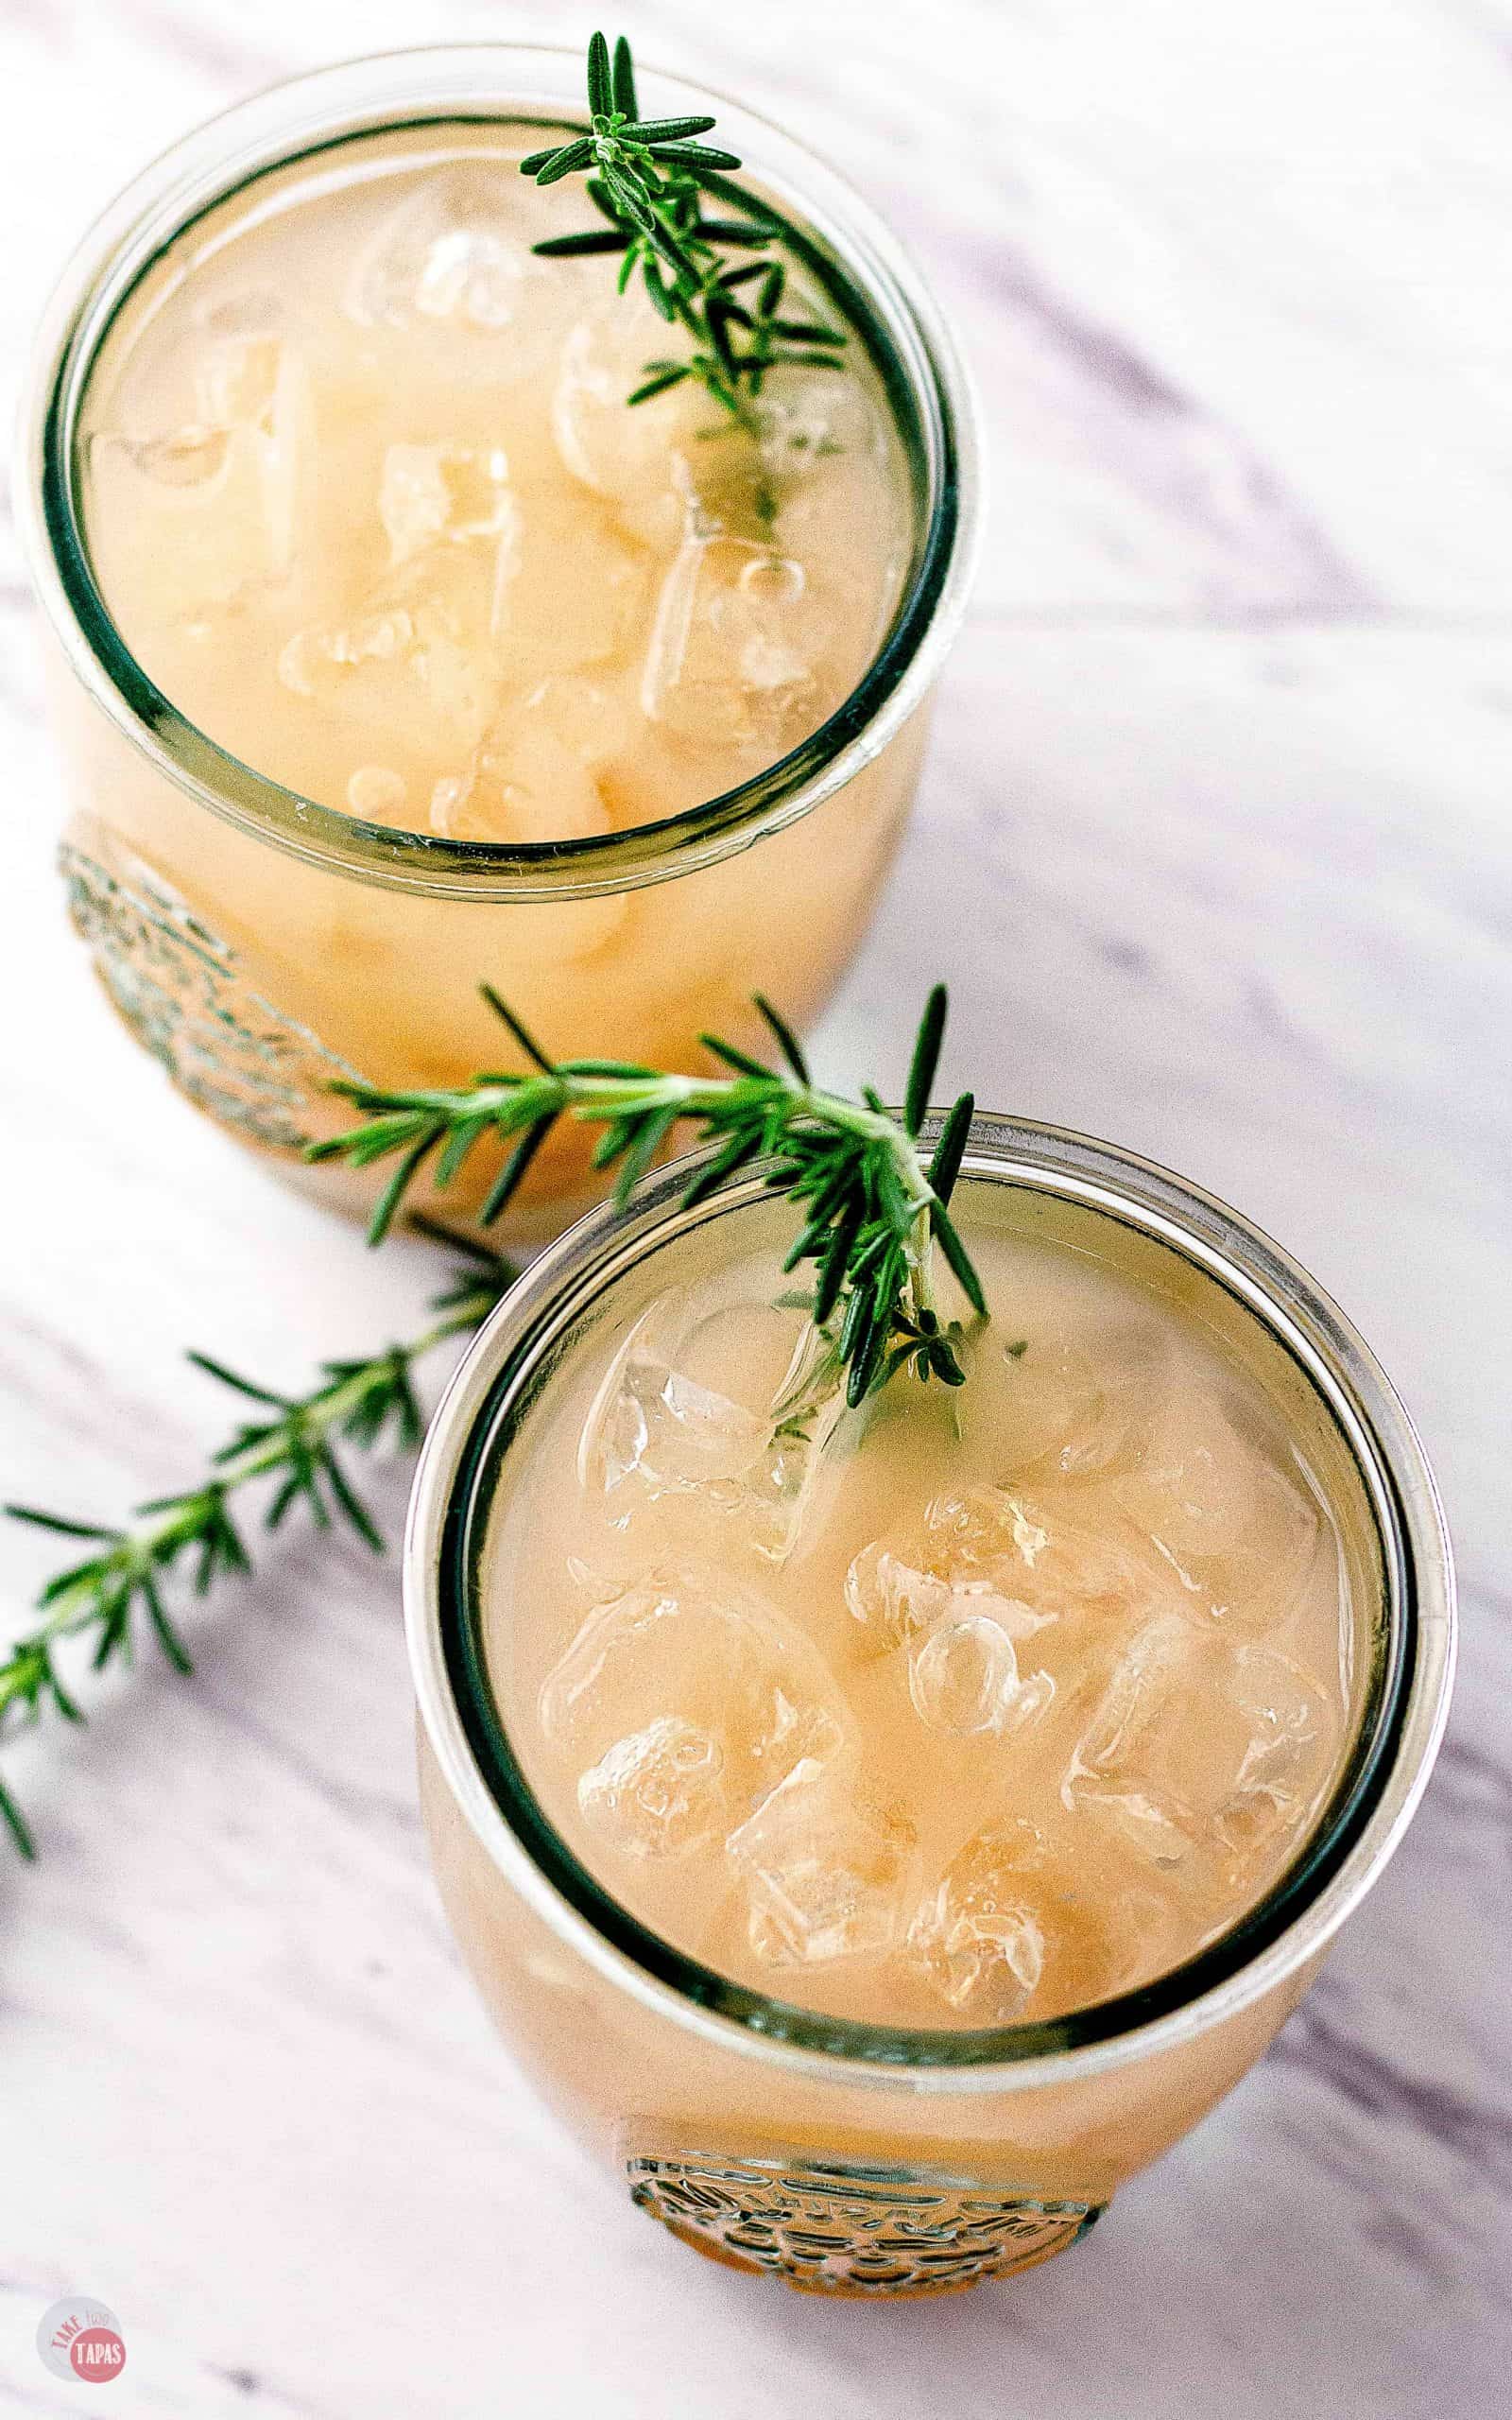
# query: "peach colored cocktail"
(883, 1832)
(411, 654)
(968, 1707)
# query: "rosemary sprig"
(872, 1211)
(648, 177)
(291, 1442)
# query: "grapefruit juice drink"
(967, 1707)
(367, 500)
(882, 1832)
(413, 654)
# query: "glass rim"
(1334, 1867)
(431, 85)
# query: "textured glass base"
(178, 988)
(827, 2228)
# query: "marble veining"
(1213, 845)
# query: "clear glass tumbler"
(260, 946)
(861, 2158)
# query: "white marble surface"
(1214, 845)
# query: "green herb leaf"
(955, 1252)
(672, 375)
(55, 1521)
(625, 79)
(564, 247)
(925, 1059)
(600, 80)
(668, 130)
(229, 1378)
(701, 155)
(787, 1040)
(869, 1211)
(525, 1039)
(511, 1177)
(946, 1164)
(563, 163)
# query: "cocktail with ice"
(368, 501)
(412, 652)
(1006, 1705)
(882, 1830)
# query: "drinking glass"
(263, 946)
(863, 2158)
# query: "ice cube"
(1238, 1533)
(670, 1432)
(1010, 1929)
(410, 669)
(593, 717)
(675, 467)
(313, 659)
(454, 254)
(194, 455)
(658, 1792)
(809, 418)
(830, 1874)
(236, 380)
(656, 777)
(376, 793)
(449, 494)
(656, 1433)
(1120, 1765)
(895, 1601)
(725, 488)
(625, 454)
(243, 311)
(978, 1938)
(570, 589)
(397, 675)
(523, 785)
(892, 1600)
(1056, 1554)
(818, 516)
(1196, 1750)
(824, 453)
(736, 647)
(964, 1677)
(212, 512)
(691, 1646)
(1075, 1412)
(1120, 1925)
(1289, 1733)
(451, 676)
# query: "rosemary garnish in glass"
(647, 179)
(872, 1211)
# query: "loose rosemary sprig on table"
(290, 1442)
(872, 1211)
(647, 177)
